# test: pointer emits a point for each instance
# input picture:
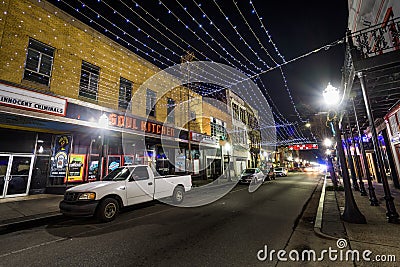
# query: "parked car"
(280, 171)
(123, 187)
(269, 174)
(251, 175)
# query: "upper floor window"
(151, 98)
(39, 62)
(218, 129)
(88, 86)
(170, 110)
(125, 93)
(235, 111)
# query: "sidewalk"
(377, 235)
(20, 211)
(322, 232)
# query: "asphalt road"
(227, 232)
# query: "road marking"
(76, 235)
(96, 229)
(31, 247)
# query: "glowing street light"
(103, 124)
(331, 95)
(328, 142)
(103, 121)
(351, 212)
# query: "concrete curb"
(18, 224)
(319, 216)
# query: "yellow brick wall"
(3, 15)
(212, 111)
(73, 42)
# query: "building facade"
(65, 104)
(74, 105)
(370, 82)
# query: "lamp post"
(328, 144)
(103, 124)
(227, 149)
(351, 212)
(187, 58)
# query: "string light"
(154, 51)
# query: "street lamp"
(328, 142)
(351, 212)
(227, 149)
(103, 124)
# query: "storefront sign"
(127, 122)
(25, 99)
(93, 167)
(128, 160)
(59, 159)
(113, 162)
(76, 167)
(203, 138)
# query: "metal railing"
(378, 39)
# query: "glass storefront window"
(43, 145)
(16, 141)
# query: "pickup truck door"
(140, 186)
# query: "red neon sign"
(303, 147)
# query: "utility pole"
(187, 58)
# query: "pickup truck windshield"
(119, 174)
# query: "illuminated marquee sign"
(303, 147)
(140, 125)
(24, 99)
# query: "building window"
(151, 98)
(125, 93)
(192, 115)
(218, 129)
(88, 86)
(39, 61)
(235, 109)
(170, 110)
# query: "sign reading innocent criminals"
(25, 99)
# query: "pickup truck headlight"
(87, 196)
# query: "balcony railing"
(378, 39)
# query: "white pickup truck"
(124, 186)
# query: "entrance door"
(15, 174)
(213, 168)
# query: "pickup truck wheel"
(107, 210)
(178, 195)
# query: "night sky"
(253, 36)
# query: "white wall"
(369, 12)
